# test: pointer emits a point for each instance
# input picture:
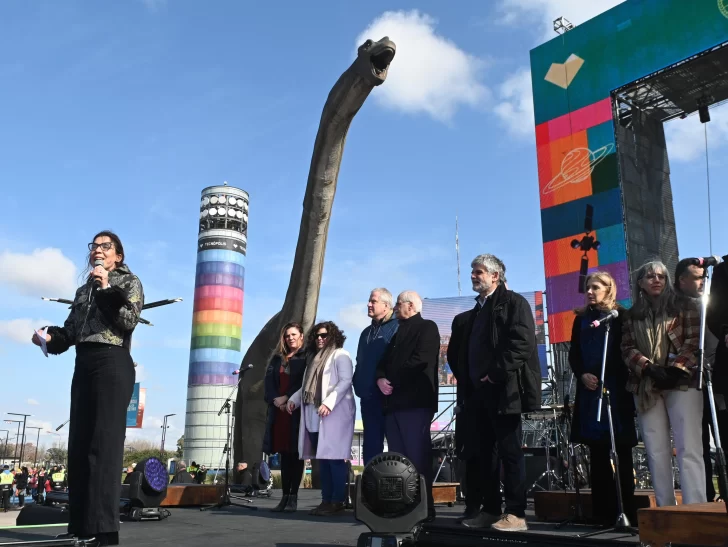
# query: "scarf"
(312, 379)
(652, 342)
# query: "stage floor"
(232, 525)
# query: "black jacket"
(410, 364)
(182, 477)
(297, 368)
(717, 320)
(616, 375)
(512, 356)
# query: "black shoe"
(281, 504)
(470, 513)
(292, 505)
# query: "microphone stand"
(704, 371)
(225, 498)
(622, 526)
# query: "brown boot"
(333, 509)
(317, 510)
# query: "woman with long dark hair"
(327, 424)
(585, 358)
(105, 312)
(283, 377)
(659, 344)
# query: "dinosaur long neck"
(344, 101)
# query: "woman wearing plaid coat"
(659, 344)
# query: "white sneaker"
(510, 523)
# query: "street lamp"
(164, 432)
(17, 436)
(22, 446)
(37, 440)
(5, 452)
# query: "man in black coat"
(717, 322)
(493, 355)
(407, 376)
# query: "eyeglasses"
(106, 245)
(322, 335)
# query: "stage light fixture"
(390, 500)
(562, 25)
(703, 103)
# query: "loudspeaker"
(31, 515)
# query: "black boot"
(281, 504)
(292, 505)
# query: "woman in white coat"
(327, 421)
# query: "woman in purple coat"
(327, 421)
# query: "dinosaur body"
(344, 101)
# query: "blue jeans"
(373, 420)
(333, 476)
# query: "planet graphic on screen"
(723, 7)
(577, 165)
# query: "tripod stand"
(225, 499)
(578, 509)
(622, 525)
(705, 371)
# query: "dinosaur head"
(373, 60)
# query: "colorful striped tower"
(217, 320)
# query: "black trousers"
(604, 488)
(499, 443)
(103, 381)
(6, 499)
(291, 472)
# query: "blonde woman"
(585, 358)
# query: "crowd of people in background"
(33, 483)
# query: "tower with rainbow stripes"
(217, 320)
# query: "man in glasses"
(372, 343)
(407, 377)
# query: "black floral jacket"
(109, 317)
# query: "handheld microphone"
(242, 370)
(604, 320)
(97, 262)
(707, 261)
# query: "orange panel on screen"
(560, 258)
(560, 325)
(570, 171)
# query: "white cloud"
(542, 13)
(33, 402)
(686, 138)
(21, 330)
(44, 272)
(429, 74)
(141, 373)
(154, 5)
(353, 318)
(515, 108)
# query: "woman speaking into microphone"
(104, 314)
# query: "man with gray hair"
(493, 355)
(407, 376)
(372, 343)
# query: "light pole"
(37, 440)
(17, 436)
(164, 433)
(5, 452)
(22, 446)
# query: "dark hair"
(336, 336)
(117, 245)
(283, 348)
(682, 268)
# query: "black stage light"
(390, 500)
(704, 113)
(147, 488)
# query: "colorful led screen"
(573, 75)
(443, 310)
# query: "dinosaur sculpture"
(344, 101)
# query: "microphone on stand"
(242, 370)
(707, 261)
(604, 320)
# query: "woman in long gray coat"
(327, 422)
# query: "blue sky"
(116, 114)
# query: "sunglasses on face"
(322, 335)
(106, 246)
